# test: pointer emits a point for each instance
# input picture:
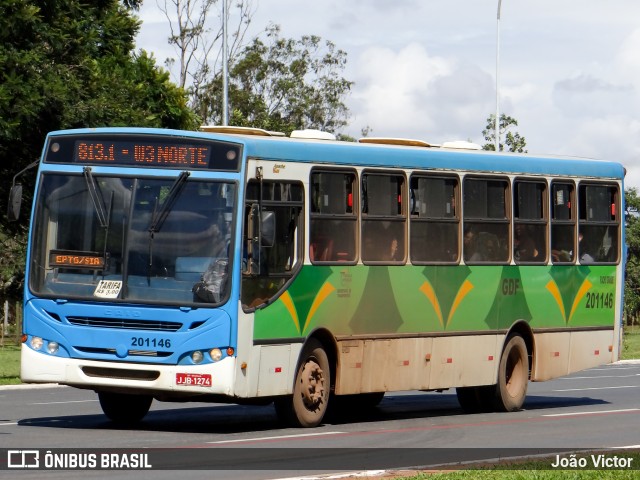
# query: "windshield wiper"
(103, 214)
(159, 216)
(96, 198)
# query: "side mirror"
(15, 202)
(268, 228)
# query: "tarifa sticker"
(108, 289)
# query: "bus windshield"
(134, 239)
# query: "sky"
(568, 71)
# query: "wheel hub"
(312, 385)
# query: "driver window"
(271, 266)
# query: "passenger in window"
(488, 248)
(525, 249)
(561, 255)
(393, 253)
(585, 256)
(471, 252)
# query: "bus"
(240, 265)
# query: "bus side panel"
(590, 349)
(396, 364)
(464, 361)
(551, 357)
(385, 365)
(349, 367)
(275, 373)
(263, 370)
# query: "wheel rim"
(312, 385)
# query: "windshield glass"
(134, 239)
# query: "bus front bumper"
(212, 378)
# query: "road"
(597, 408)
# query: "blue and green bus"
(239, 265)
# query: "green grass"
(9, 364)
(538, 470)
(631, 343)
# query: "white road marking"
(283, 437)
(601, 376)
(69, 401)
(616, 367)
(571, 414)
(596, 388)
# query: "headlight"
(216, 354)
(36, 343)
(197, 356)
(52, 347)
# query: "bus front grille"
(121, 374)
(112, 351)
(126, 323)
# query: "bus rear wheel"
(308, 404)
(513, 376)
(124, 408)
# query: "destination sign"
(144, 151)
(73, 259)
(135, 153)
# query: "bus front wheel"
(513, 376)
(124, 408)
(308, 404)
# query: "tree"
(632, 268)
(195, 37)
(67, 64)
(283, 84)
(514, 141)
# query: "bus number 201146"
(150, 342)
(599, 300)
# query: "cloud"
(588, 96)
(410, 93)
(627, 60)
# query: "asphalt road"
(594, 409)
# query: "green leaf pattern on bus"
(361, 299)
(509, 302)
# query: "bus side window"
(486, 220)
(563, 222)
(333, 219)
(435, 220)
(599, 223)
(383, 218)
(530, 221)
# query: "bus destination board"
(154, 151)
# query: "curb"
(30, 386)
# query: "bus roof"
(419, 157)
(388, 154)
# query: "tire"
(310, 400)
(513, 376)
(123, 408)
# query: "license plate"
(193, 379)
